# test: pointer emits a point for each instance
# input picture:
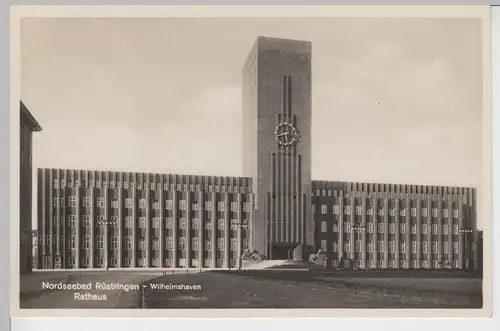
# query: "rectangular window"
(336, 210)
(128, 203)
(370, 247)
(209, 225)
(208, 205)
(72, 221)
(87, 221)
(143, 244)
(434, 247)
(347, 227)
(234, 206)
(335, 227)
(169, 245)
(245, 243)
(381, 248)
(72, 201)
(195, 223)
(445, 247)
(182, 223)
(86, 242)
(369, 211)
(56, 201)
(208, 244)
(142, 222)
(402, 263)
(86, 262)
(156, 222)
(323, 226)
(402, 228)
(87, 202)
(402, 247)
(169, 223)
(425, 212)
(370, 227)
(347, 247)
(100, 202)
(114, 242)
(381, 211)
(434, 212)
(220, 244)
(100, 242)
(220, 206)
(128, 240)
(402, 212)
(434, 228)
(393, 228)
(182, 243)
(413, 212)
(347, 210)
(445, 212)
(445, 229)
(414, 264)
(381, 227)
(359, 210)
(455, 229)
(221, 224)
(114, 203)
(455, 213)
(413, 229)
(128, 222)
(246, 207)
(455, 247)
(335, 247)
(392, 246)
(424, 247)
(234, 244)
(324, 245)
(424, 228)
(156, 244)
(142, 203)
(127, 262)
(358, 246)
(183, 205)
(156, 205)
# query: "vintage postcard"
(251, 161)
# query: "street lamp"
(235, 226)
(466, 238)
(105, 224)
(359, 229)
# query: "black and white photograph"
(264, 162)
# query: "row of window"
(402, 264)
(381, 227)
(143, 243)
(392, 247)
(60, 183)
(392, 211)
(142, 262)
(169, 204)
(156, 222)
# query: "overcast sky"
(394, 100)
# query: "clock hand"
(281, 134)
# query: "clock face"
(286, 134)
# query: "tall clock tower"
(277, 146)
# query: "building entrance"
(281, 251)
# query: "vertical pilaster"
(201, 232)
(398, 228)
(386, 231)
(78, 217)
(213, 199)
(133, 195)
(227, 230)
(353, 236)
(93, 218)
(407, 234)
(363, 233)
(161, 230)
(375, 231)
(429, 234)
(189, 210)
(439, 232)
(419, 231)
(175, 229)
(119, 226)
(341, 226)
(147, 210)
